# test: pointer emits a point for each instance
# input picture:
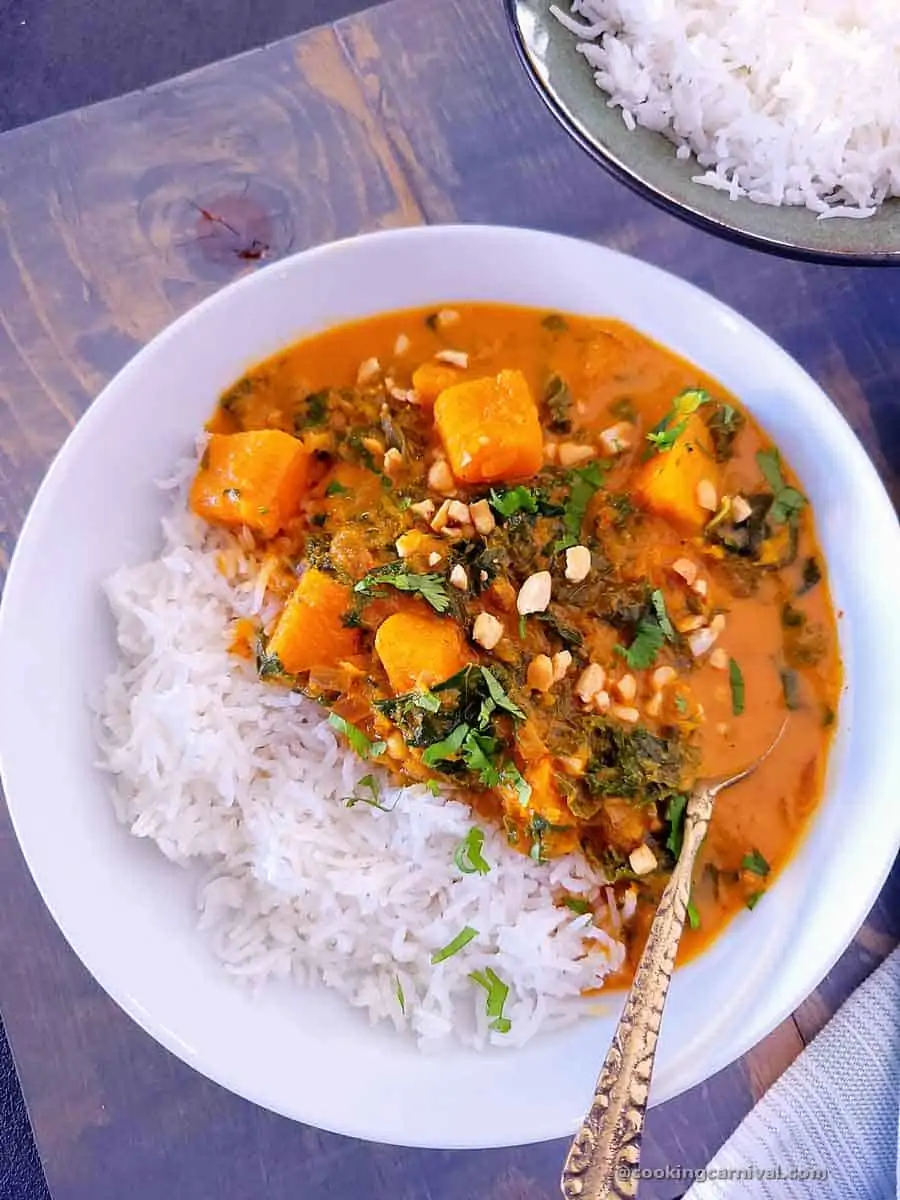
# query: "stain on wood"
(116, 219)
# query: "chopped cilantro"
(681, 703)
(336, 489)
(313, 411)
(736, 679)
(398, 992)
(397, 707)
(499, 697)
(646, 644)
(658, 600)
(461, 940)
(370, 784)
(267, 665)
(787, 501)
(513, 500)
(663, 436)
(692, 915)
(468, 857)
(558, 400)
(577, 905)
(432, 786)
(432, 588)
(363, 746)
(755, 863)
(449, 747)
(754, 899)
(497, 992)
(584, 483)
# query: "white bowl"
(129, 914)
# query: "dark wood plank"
(115, 219)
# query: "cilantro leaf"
(461, 940)
(267, 665)
(584, 483)
(398, 992)
(432, 588)
(499, 697)
(468, 857)
(336, 488)
(788, 501)
(363, 746)
(736, 679)
(497, 992)
(646, 645)
(693, 915)
(755, 863)
(754, 899)
(577, 905)
(373, 800)
(663, 436)
(448, 748)
(513, 500)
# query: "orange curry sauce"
(411, 482)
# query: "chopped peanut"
(653, 707)
(539, 676)
(440, 477)
(455, 358)
(707, 497)
(689, 624)
(487, 630)
(617, 438)
(458, 512)
(601, 702)
(561, 663)
(374, 446)
(482, 517)
(534, 594)
(551, 452)
(441, 517)
(701, 641)
(686, 569)
(393, 461)
(625, 713)
(700, 588)
(719, 659)
(717, 624)
(446, 317)
(459, 579)
(368, 370)
(571, 453)
(626, 688)
(401, 345)
(590, 682)
(434, 558)
(424, 509)
(642, 860)
(578, 563)
(740, 510)
(662, 676)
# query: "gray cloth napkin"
(835, 1110)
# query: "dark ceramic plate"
(646, 161)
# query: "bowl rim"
(46, 497)
(614, 165)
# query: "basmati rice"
(791, 102)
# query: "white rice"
(783, 101)
(248, 779)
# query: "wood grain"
(115, 219)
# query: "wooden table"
(115, 219)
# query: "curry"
(540, 560)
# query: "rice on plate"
(305, 875)
(793, 102)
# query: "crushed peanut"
(482, 517)
(459, 579)
(626, 688)
(719, 659)
(424, 509)
(487, 630)
(401, 345)
(601, 702)
(626, 713)
(701, 641)
(707, 496)
(578, 563)
(458, 512)
(454, 358)
(434, 558)
(440, 477)
(662, 677)
(617, 438)
(591, 681)
(393, 461)
(369, 369)
(740, 510)
(440, 519)
(561, 663)
(539, 675)
(686, 569)
(534, 594)
(551, 451)
(446, 317)
(653, 707)
(642, 860)
(572, 453)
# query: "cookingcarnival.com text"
(702, 1174)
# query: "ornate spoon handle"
(606, 1151)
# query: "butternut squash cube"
(310, 631)
(491, 429)
(256, 478)
(667, 483)
(419, 649)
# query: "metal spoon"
(606, 1151)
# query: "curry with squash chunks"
(542, 560)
